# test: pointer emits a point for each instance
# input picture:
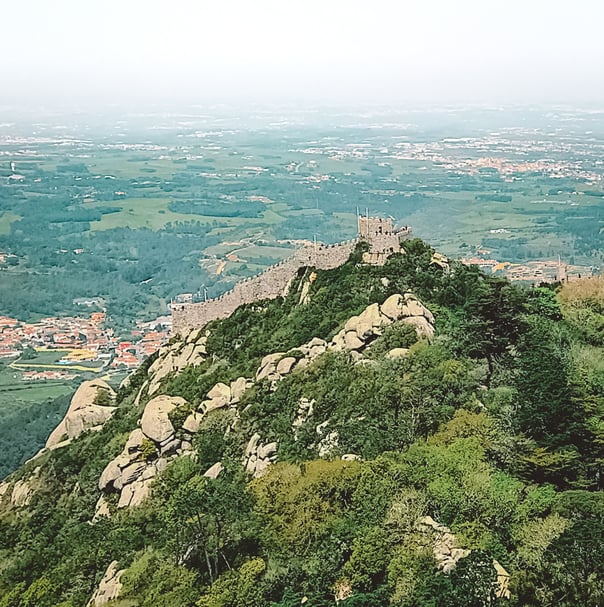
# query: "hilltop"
(415, 433)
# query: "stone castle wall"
(270, 284)
(383, 239)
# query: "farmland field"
(139, 210)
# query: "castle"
(380, 234)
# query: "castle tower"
(383, 238)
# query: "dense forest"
(493, 428)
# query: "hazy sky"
(405, 51)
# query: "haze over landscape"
(151, 52)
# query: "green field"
(6, 219)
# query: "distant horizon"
(467, 52)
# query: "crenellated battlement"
(383, 240)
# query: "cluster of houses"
(84, 340)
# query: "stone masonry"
(383, 240)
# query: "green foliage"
(156, 582)
(179, 414)
(485, 429)
(148, 450)
(369, 558)
(102, 398)
(239, 588)
(395, 336)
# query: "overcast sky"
(405, 51)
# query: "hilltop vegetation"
(493, 429)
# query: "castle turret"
(383, 238)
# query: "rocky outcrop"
(259, 457)
(21, 494)
(109, 587)
(18, 494)
(83, 413)
(214, 471)
(397, 353)
(173, 358)
(146, 453)
(155, 422)
(447, 553)
(132, 473)
(328, 440)
(219, 396)
(304, 412)
(444, 545)
(503, 581)
(359, 331)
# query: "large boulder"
(268, 366)
(219, 396)
(238, 387)
(111, 473)
(368, 322)
(214, 471)
(422, 326)
(129, 474)
(84, 413)
(155, 422)
(109, 587)
(284, 366)
(134, 494)
(352, 341)
(393, 307)
(192, 422)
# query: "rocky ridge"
(151, 447)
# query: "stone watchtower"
(382, 237)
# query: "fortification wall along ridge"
(272, 283)
(378, 232)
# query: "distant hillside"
(416, 434)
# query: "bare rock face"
(192, 422)
(4, 487)
(268, 366)
(259, 457)
(214, 471)
(304, 411)
(132, 472)
(352, 341)
(134, 494)
(175, 357)
(21, 494)
(101, 509)
(422, 327)
(111, 473)
(129, 474)
(219, 396)
(238, 387)
(83, 414)
(109, 587)
(397, 353)
(285, 365)
(155, 422)
(135, 441)
(393, 307)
